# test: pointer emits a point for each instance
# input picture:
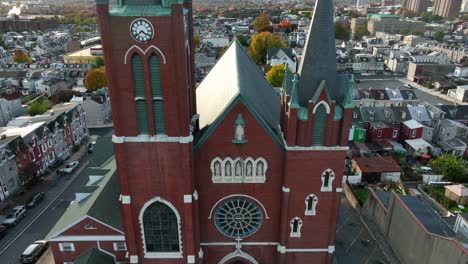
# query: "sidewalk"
(22, 196)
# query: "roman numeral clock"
(141, 30)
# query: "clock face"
(141, 30)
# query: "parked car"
(34, 251)
(91, 147)
(409, 86)
(56, 164)
(35, 199)
(70, 167)
(3, 230)
(15, 215)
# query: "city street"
(39, 220)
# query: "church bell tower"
(148, 54)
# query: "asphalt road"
(40, 220)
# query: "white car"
(70, 167)
(15, 215)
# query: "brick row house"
(418, 128)
(36, 142)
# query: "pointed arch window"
(249, 171)
(260, 170)
(311, 203)
(161, 229)
(228, 171)
(296, 225)
(140, 97)
(327, 180)
(238, 170)
(156, 93)
(320, 120)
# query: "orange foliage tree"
(95, 79)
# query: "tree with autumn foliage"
(285, 25)
(262, 24)
(95, 79)
(275, 75)
(261, 43)
(21, 57)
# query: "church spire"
(318, 62)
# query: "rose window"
(238, 218)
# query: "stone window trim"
(327, 182)
(296, 225)
(160, 254)
(119, 246)
(311, 202)
(66, 246)
(249, 169)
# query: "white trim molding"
(187, 198)
(297, 232)
(286, 189)
(133, 258)
(160, 254)
(125, 199)
(327, 107)
(191, 259)
(312, 210)
(339, 190)
(195, 195)
(152, 47)
(238, 195)
(220, 173)
(331, 249)
(148, 138)
(238, 253)
(200, 253)
(331, 177)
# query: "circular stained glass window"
(238, 218)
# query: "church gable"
(239, 124)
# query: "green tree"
(427, 16)
(98, 62)
(405, 31)
(37, 108)
(439, 36)
(341, 31)
(275, 75)
(361, 32)
(95, 79)
(262, 23)
(451, 167)
(21, 57)
(261, 43)
(243, 39)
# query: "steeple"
(318, 62)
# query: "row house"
(40, 141)
(361, 63)
(8, 170)
(384, 97)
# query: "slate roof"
(234, 75)
(103, 202)
(419, 113)
(377, 164)
(458, 112)
(318, 62)
(279, 53)
(407, 93)
(94, 256)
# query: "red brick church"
(231, 171)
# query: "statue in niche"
(238, 169)
(260, 168)
(217, 169)
(249, 169)
(239, 124)
(228, 168)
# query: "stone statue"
(228, 168)
(239, 125)
(238, 169)
(249, 169)
(260, 168)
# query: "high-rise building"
(230, 172)
(447, 8)
(416, 7)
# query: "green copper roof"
(338, 112)
(153, 10)
(303, 114)
(294, 102)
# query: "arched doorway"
(238, 257)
